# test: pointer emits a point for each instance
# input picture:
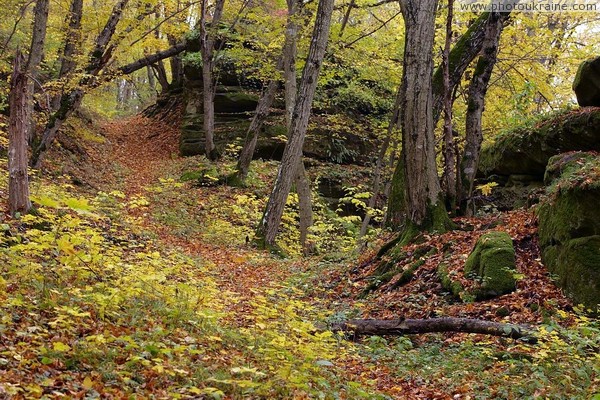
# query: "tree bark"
(423, 192)
(207, 48)
(18, 183)
(465, 50)
(176, 66)
(290, 52)
(463, 53)
(399, 327)
(475, 106)
(269, 224)
(379, 164)
(449, 174)
(36, 54)
(261, 114)
(72, 43)
(98, 59)
(161, 76)
(153, 58)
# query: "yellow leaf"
(60, 346)
(88, 383)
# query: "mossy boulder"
(569, 225)
(587, 83)
(526, 151)
(493, 262)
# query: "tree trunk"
(207, 48)
(18, 183)
(153, 58)
(292, 154)
(176, 66)
(290, 52)
(98, 59)
(475, 106)
(463, 53)
(36, 54)
(262, 111)
(425, 210)
(304, 206)
(379, 164)
(465, 50)
(398, 327)
(448, 149)
(72, 42)
(161, 76)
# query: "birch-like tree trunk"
(269, 224)
(18, 183)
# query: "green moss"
(493, 262)
(451, 285)
(397, 200)
(526, 150)
(576, 265)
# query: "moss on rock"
(569, 225)
(527, 150)
(493, 261)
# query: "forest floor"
(137, 285)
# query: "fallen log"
(398, 327)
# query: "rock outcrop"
(569, 225)
(517, 159)
(587, 83)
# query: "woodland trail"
(146, 148)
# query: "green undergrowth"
(92, 304)
(227, 214)
(565, 364)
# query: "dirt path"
(146, 148)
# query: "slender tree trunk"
(379, 164)
(176, 66)
(161, 76)
(292, 154)
(475, 106)
(262, 111)
(449, 175)
(98, 59)
(208, 32)
(290, 52)
(72, 43)
(36, 54)
(425, 210)
(18, 183)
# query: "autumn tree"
(18, 181)
(269, 224)
(424, 207)
(208, 32)
(475, 106)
